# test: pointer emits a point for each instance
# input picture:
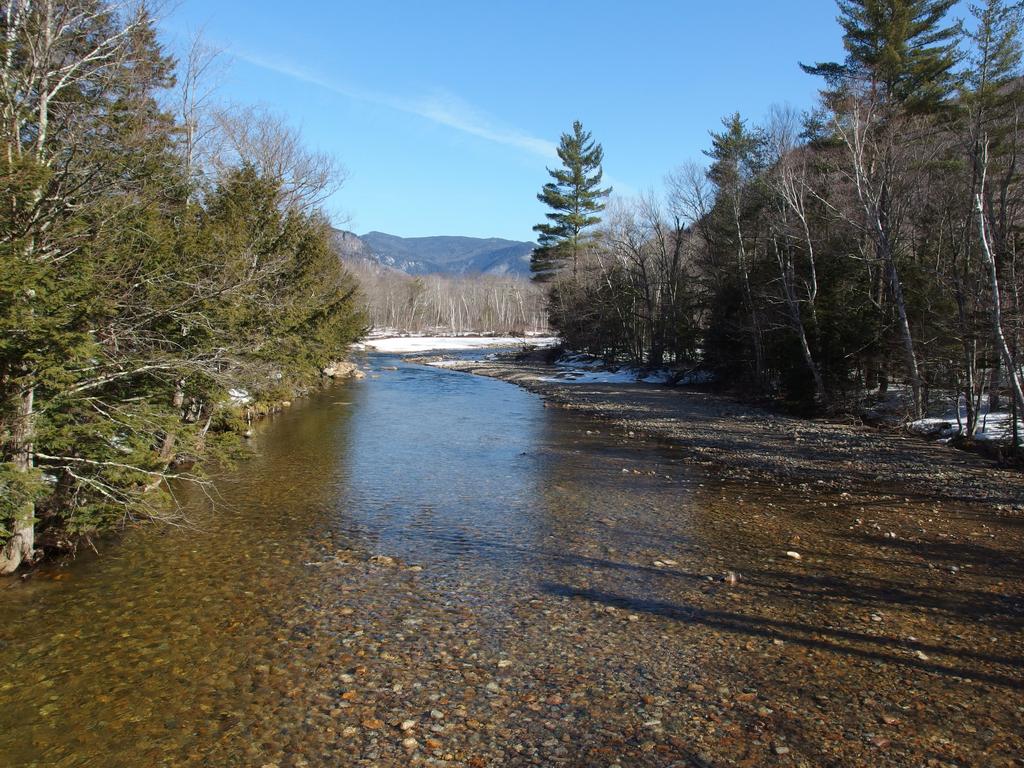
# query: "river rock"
(343, 370)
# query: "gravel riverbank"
(743, 442)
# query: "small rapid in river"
(429, 567)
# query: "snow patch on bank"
(402, 344)
(996, 427)
(451, 363)
(583, 369)
(239, 396)
(626, 376)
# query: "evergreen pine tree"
(128, 306)
(574, 197)
(996, 52)
(901, 48)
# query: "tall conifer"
(902, 48)
(574, 197)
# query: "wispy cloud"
(440, 108)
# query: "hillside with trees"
(444, 285)
(449, 304)
(869, 245)
(439, 255)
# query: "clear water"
(124, 658)
(557, 592)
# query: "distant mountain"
(349, 246)
(437, 255)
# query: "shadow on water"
(808, 635)
(970, 605)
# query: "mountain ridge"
(438, 254)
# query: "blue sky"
(446, 113)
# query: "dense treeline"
(154, 254)
(870, 243)
(448, 304)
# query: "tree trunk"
(909, 355)
(970, 356)
(969, 347)
(177, 401)
(786, 273)
(755, 325)
(995, 386)
(1012, 373)
(20, 547)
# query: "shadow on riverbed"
(985, 560)
(810, 636)
(996, 610)
(814, 590)
(969, 604)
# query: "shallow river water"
(429, 567)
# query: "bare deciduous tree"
(253, 136)
(447, 304)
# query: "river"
(429, 567)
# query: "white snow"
(583, 369)
(451, 363)
(401, 344)
(239, 396)
(626, 376)
(993, 427)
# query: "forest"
(159, 252)
(450, 304)
(865, 247)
